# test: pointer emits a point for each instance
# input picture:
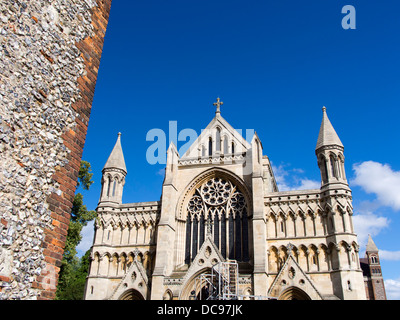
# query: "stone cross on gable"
(218, 104)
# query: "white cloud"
(288, 179)
(87, 238)
(161, 172)
(280, 176)
(379, 179)
(308, 184)
(389, 255)
(392, 288)
(368, 223)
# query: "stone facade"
(219, 203)
(49, 59)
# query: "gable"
(218, 127)
(135, 278)
(207, 257)
(292, 276)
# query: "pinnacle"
(327, 134)
(116, 159)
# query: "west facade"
(220, 202)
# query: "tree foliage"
(85, 176)
(73, 271)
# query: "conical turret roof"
(327, 134)
(116, 159)
(371, 246)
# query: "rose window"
(216, 191)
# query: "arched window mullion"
(221, 202)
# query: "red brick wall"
(378, 289)
(74, 140)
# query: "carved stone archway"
(294, 293)
(131, 294)
(190, 291)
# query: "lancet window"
(218, 209)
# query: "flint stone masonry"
(49, 58)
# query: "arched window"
(167, 295)
(109, 186)
(349, 285)
(333, 166)
(339, 168)
(217, 209)
(225, 145)
(210, 146)
(114, 185)
(233, 147)
(324, 169)
(218, 140)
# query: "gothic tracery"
(220, 204)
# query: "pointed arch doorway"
(131, 294)
(196, 288)
(294, 293)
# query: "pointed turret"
(116, 159)
(327, 134)
(114, 173)
(329, 151)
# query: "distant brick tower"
(374, 285)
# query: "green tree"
(73, 271)
(85, 176)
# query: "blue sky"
(274, 64)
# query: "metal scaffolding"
(221, 284)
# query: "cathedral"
(220, 207)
